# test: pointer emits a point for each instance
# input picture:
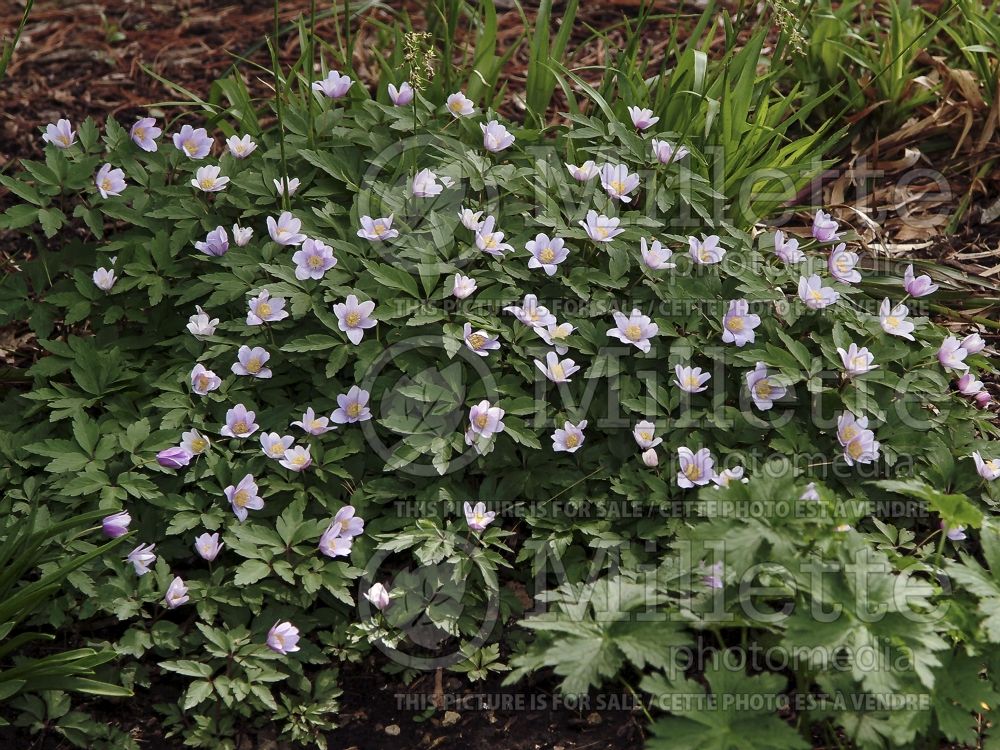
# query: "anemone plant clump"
(354, 374)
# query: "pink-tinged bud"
(116, 525)
(378, 595)
(173, 458)
(983, 399)
(650, 458)
(968, 385)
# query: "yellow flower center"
(106, 185)
(379, 228)
(278, 450)
(859, 362)
(572, 441)
(456, 105)
(199, 444)
(633, 332)
(763, 388)
(892, 321)
(140, 133)
(241, 498)
(557, 371)
(316, 424)
(601, 232)
(315, 261)
(992, 464)
(481, 420)
(477, 340)
(691, 381)
(263, 309)
(63, 139)
(203, 382)
(190, 147)
(547, 255)
(843, 265)
(693, 472)
(298, 459)
(490, 242)
(849, 433)
(353, 318)
(240, 427)
(253, 365)
(705, 255)
(207, 182)
(855, 449)
(354, 409)
(646, 435)
(618, 186)
(735, 323)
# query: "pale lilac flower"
(243, 497)
(665, 152)
(987, 468)
(336, 541)
(242, 235)
(586, 171)
(266, 309)
(109, 181)
(491, 241)
(177, 594)
(841, 264)
(863, 449)
(555, 335)
(555, 370)
(352, 406)
(485, 420)
(116, 524)
(570, 438)
(287, 230)
(144, 134)
(920, 286)
(478, 517)
(645, 435)
(208, 546)
(952, 355)
(471, 219)
(649, 458)
(738, 323)
(354, 318)
(707, 250)
(194, 442)
(764, 390)
(195, 143)
(691, 379)
(857, 361)
(200, 324)
(787, 250)
(479, 341)
(601, 228)
(636, 329)
(173, 458)
(825, 228)
(60, 134)
(642, 119)
(463, 286)
(496, 137)
(274, 445)
(545, 253)
(239, 423)
(460, 105)
(814, 294)
(378, 595)
(216, 243)
(203, 381)
(313, 260)
(893, 320)
(727, 476)
(617, 182)
(286, 185)
(142, 557)
(377, 229)
(973, 343)
(334, 86)
(968, 385)
(849, 427)
(297, 458)
(241, 148)
(207, 179)
(402, 96)
(713, 576)
(531, 313)
(811, 494)
(312, 424)
(104, 279)
(954, 534)
(425, 184)
(283, 637)
(655, 256)
(695, 468)
(251, 362)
